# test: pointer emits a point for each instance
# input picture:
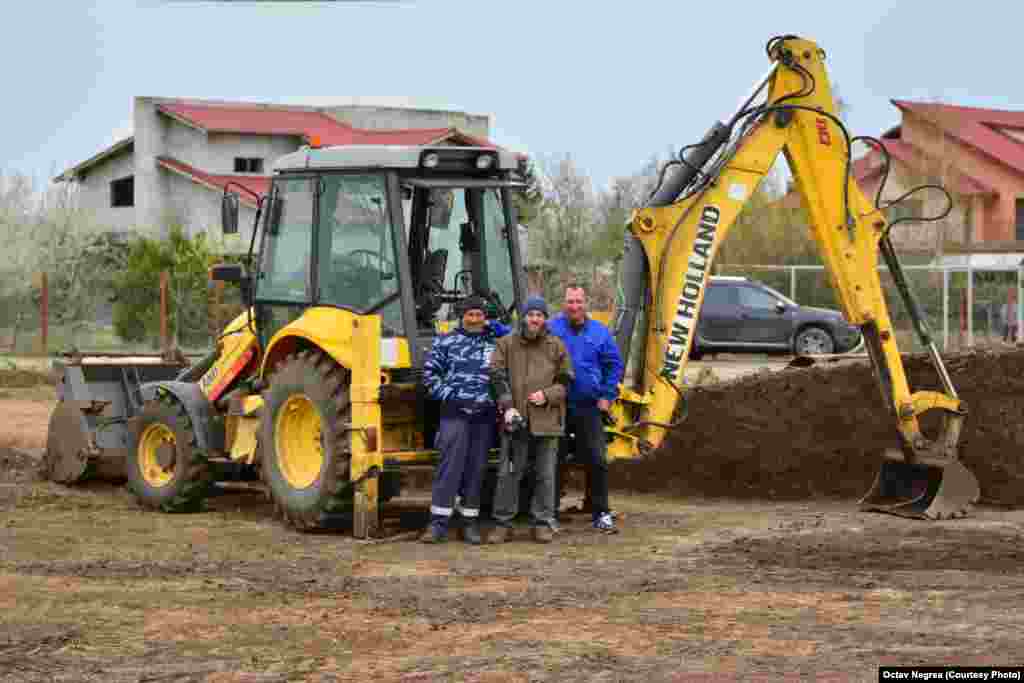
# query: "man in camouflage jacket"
(456, 374)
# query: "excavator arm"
(672, 242)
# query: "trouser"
(464, 445)
(591, 451)
(515, 453)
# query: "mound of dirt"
(820, 432)
(17, 466)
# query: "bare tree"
(563, 230)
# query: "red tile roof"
(870, 165)
(263, 120)
(975, 127)
(257, 184)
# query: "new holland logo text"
(693, 284)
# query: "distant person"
(598, 369)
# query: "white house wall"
(94, 192)
(198, 207)
(224, 147)
(391, 118)
(185, 143)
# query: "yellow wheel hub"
(297, 442)
(154, 438)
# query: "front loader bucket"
(931, 488)
(71, 457)
(88, 437)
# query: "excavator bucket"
(930, 488)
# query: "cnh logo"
(823, 135)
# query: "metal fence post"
(1020, 303)
(164, 282)
(970, 306)
(792, 283)
(44, 311)
(945, 309)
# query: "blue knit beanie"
(536, 303)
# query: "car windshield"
(780, 295)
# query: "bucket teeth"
(923, 491)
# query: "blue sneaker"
(605, 523)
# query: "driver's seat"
(431, 286)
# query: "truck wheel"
(305, 452)
(165, 469)
(813, 341)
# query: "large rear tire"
(305, 453)
(165, 469)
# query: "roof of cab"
(377, 156)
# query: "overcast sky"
(612, 83)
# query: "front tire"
(165, 469)
(813, 341)
(305, 442)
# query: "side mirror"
(229, 214)
(468, 239)
(780, 307)
(228, 272)
(274, 214)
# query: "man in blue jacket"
(598, 371)
(456, 374)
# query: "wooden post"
(44, 312)
(164, 337)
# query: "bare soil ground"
(749, 587)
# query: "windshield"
(496, 249)
(284, 273)
(356, 250)
(780, 295)
(493, 266)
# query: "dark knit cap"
(470, 303)
(536, 303)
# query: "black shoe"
(471, 533)
(434, 534)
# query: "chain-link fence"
(964, 306)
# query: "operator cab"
(402, 232)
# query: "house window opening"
(1020, 218)
(248, 165)
(122, 192)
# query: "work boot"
(434, 534)
(543, 534)
(471, 533)
(498, 534)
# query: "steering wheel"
(368, 256)
(504, 314)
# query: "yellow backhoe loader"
(670, 248)
(362, 254)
